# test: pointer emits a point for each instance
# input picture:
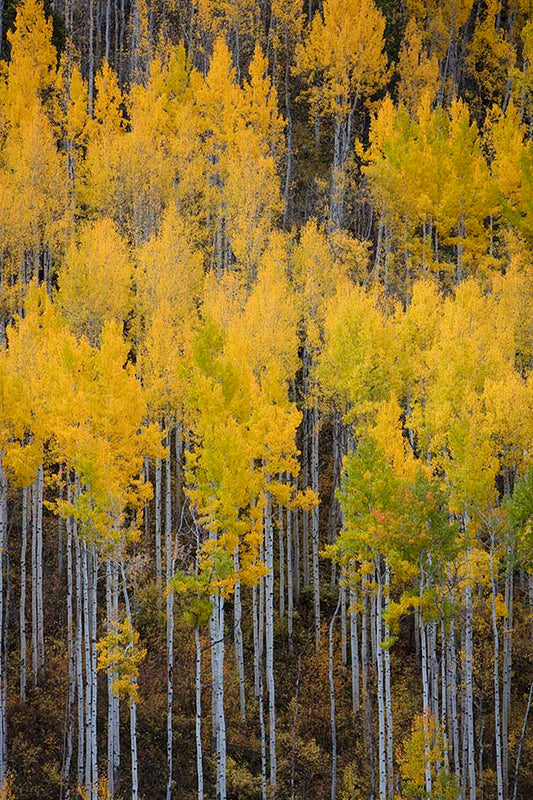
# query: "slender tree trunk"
(388, 694)
(332, 706)
(334, 516)
(315, 519)
(281, 553)
(22, 608)
(158, 560)
(34, 635)
(469, 694)
(116, 700)
(133, 746)
(198, 688)
(198, 717)
(39, 555)
(425, 688)
(111, 676)
(262, 729)
(444, 687)
(133, 705)
(496, 676)
(237, 637)
(94, 693)
(269, 649)
(354, 650)
(367, 700)
(79, 658)
(255, 622)
(290, 579)
(147, 504)
(170, 616)
(71, 697)
(216, 629)
(305, 484)
(382, 753)
(3, 547)
(507, 665)
(88, 662)
(451, 665)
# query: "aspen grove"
(266, 404)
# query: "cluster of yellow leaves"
(245, 354)
(120, 653)
(343, 53)
(84, 407)
(439, 395)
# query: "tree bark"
(169, 570)
(315, 519)
(237, 637)
(22, 607)
(332, 705)
(496, 677)
(269, 643)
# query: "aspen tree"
(343, 53)
(34, 196)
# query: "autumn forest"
(266, 405)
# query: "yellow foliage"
(95, 279)
(345, 47)
(120, 652)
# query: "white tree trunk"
(169, 570)
(237, 637)
(255, 623)
(444, 687)
(113, 704)
(305, 484)
(198, 717)
(216, 629)
(88, 682)
(133, 705)
(367, 700)
(34, 635)
(469, 694)
(496, 677)
(22, 607)
(39, 556)
(382, 753)
(388, 695)
(354, 650)
(158, 562)
(425, 687)
(281, 551)
(314, 519)
(80, 690)
(71, 657)
(269, 644)
(507, 665)
(264, 790)
(93, 572)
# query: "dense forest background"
(265, 399)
